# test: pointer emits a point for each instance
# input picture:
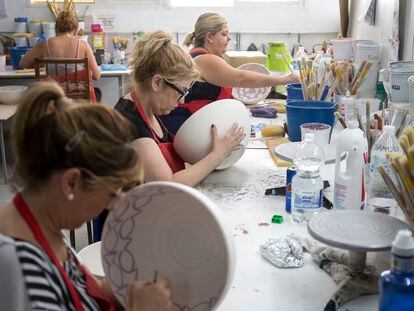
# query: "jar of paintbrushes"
(402, 165)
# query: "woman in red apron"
(163, 75)
(66, 45)
(217, 78)
(66, 176)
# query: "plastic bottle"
(307, 185)
(396, 286)
(379, 197)
(351, 159)
(117, 55)
(298, 58)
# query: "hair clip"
(74, 141)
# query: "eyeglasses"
(183, 94)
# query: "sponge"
(273, 130)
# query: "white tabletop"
(257, 284)
(6, 111)
(12, 74)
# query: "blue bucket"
(294, 91)
(16, 53)
(299, 112)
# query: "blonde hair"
(66, 22)
(155, 53)
(49, 134)
(206, 22)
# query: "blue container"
(16, 54)
(299, 112)
(294, 91)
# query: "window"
(201, 3)
(230, 3)
(75, 1)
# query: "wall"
(272, 23)
(381, 32)
(312, 18)
(407, 30)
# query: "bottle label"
(307, 199)
(376, 183)
(403, 264)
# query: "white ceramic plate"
(90, 257)
(193, 140)
(11, 94)
(287, 152)
(178, 232)
(251, 96)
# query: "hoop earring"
(71, 197)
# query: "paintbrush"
(361, 78)
(310, 71)
(375, 131)
(311, 91)
(404, 191)
(305, 69)
(405, 144)
(302, 82)
(340, 119)
(359, 121)
(339, 76)
(356, 76)
(409, 133)
(322, 84)
(405, 169)
(402, 125)
(394, 190)
(286, 62)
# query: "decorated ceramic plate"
(173, 231)
(251, 96)
(193, 140)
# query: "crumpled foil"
(283, 253)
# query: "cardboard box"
(237, 58)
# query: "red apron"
(167, 149)
(225, 92)
(92, 288)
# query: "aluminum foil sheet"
(283, 253)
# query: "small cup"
(321, 131)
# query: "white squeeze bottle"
(379, 197)
(351, 159)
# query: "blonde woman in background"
(70, 162)
(65, 45)
(209, 42)
(163, 74)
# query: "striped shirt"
(43, 286)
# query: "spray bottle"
(351, 160)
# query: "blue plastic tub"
(299, 112)
(16, 53)
(294, 91)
